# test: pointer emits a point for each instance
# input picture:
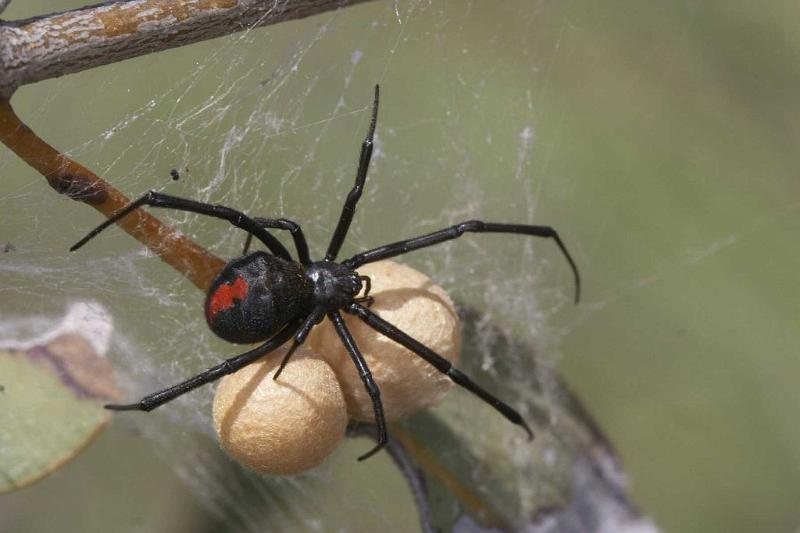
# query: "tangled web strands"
(270, 121)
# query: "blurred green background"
(658, 138)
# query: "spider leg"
(311, 320)
(440, 363)
(157, 199)
(294, 228)
(349, 208)
(229, 366)
(366, 376)
(457, 230)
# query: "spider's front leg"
(437, 361)
(349, 208)
(366, 377)
(457, 230)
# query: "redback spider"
(271, 298)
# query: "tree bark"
(53, 45)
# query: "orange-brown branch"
(79, 183)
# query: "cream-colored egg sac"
(282, 426)
(409, 300)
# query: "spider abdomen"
(254, 295)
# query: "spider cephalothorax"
(335, 285)
(271, 298)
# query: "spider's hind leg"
(229, 366)
(310, 321)
(294, 228)
(157, 199)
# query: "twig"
(79, 183)
(63, 43)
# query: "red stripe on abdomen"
(226, 295)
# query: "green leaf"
(52, 392)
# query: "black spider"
(270, 297)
